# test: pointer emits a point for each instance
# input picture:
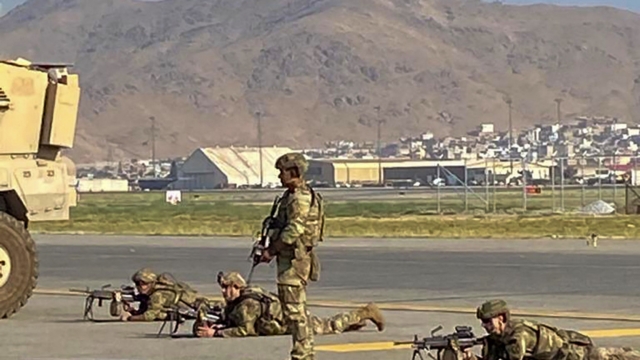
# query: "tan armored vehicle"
(38, 113)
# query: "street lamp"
(380, 122)
(153, 145)
(258, 115)
(509, 102)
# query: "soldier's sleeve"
(297, 210)
(518, 343)
(245, 315)
(158, 301)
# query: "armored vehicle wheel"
(18, 265)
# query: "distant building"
(215, 168)
(85, 185)
(486, 128)
(334, 172)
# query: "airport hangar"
(233, 167)
(339, 172)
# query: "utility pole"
(259, 117)
(509, 102)
(558, 101)
(379, 121)
(562, 158)
(153, 145)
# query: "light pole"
(153, 145)
(258, 115)
(380, 122)
(509, 102)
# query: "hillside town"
(587, 148)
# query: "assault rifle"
(129, 294)
(177, 315)
(260, 245)
(463, 335)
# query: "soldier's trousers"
(294, 309)
(339, 323)
(611, 353)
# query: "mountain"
(317, 68)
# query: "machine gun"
(463, 335)
(129, 294)
(177, 315)
(260, 245)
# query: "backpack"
(314, 225)
(270, 308)
(183, 292)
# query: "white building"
(486, 128)
(214, 168)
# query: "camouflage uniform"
(531, 340)
(259, 313)
(166, 292)
(298, 221)
(347, 321)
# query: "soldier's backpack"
(184, 294)
(314, 229)
(270, 308)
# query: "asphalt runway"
(419, 284)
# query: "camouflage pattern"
(293, 258)
(293, 160)
(610, 353)
(337, 324)
(296, 262)
(232, 279)
(492, 308)
(245, 317)
(256, 312)
(294, 309)
(144, 275)
(527, 339)
(166, 293)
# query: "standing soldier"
(299, 228)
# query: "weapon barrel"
(82, 291)
(403, 343)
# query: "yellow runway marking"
(389, 345)
(423, 308)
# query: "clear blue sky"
(634, 5)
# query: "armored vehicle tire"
(18, 265)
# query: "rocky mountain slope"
(318, 68)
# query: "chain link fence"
(594, 185)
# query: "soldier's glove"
(117, 296)
(452, 351)
(125, 316)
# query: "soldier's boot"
(372, 312)
(356, 327)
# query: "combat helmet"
(144, 275)
(493, 308)
(231, 279)
(293, 160)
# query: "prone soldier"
(160, 293)
(253, 311)
(300, 223)
(518, 339)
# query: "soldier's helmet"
(144, 275)
(231, 279)
(492, 308)
(293, 160)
